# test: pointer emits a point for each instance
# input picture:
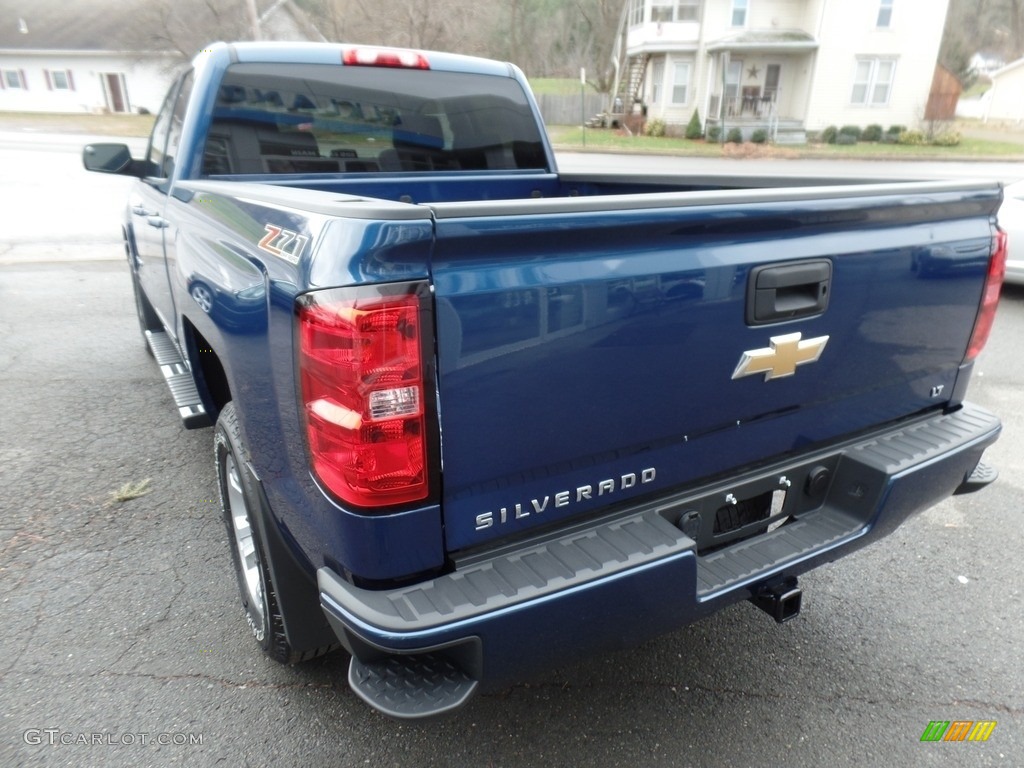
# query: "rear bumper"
(621, 579)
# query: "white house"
(1005, 99)
(987, 62)
(787, 65)
(64, 56)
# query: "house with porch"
(787, 66)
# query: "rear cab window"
(327, 119)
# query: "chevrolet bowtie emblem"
(781, 358)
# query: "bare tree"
(546, 38)
(1015, 22)
(975, 26)
(427, 24)
(183, 27)
(600, 24)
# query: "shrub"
(872, 133)
(735, 136)
(851, 130)
(946, 139)
(828, 136)
(693, 128)
(760, 136)
(655, 128)
(912, 138)
(846, 140)
(714, 133)
(896, 130)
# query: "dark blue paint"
(639, 376)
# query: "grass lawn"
(557, 86)
(572, 137)
(101, 125)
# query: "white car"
(1011, 219)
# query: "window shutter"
(71, 81)
(49, 83)
(24, 80)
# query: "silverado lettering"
(564, 498)
(461, 327)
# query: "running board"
(179, 380)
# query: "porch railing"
(761, 106)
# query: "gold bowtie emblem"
(781, 358)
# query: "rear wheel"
(240, 505)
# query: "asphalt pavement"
(124, 643)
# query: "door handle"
(788, 291)
(140, 210)
(157, 221)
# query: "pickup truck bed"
(475, 416)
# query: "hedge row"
(896, 134)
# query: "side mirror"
(109, 158)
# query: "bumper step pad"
(982, 476)
(410, 687)
(179, 381)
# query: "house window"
(657, 80)
(675, 10)
(739, 12)
(872, 82)
(662, 10)
(688, 10)
(681, 82)
(59, 79)
(15, 78)
(885, 13)
(636, 12)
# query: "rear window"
(317, 118)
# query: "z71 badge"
(283, 242)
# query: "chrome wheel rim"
(202, 298)
(247, 558)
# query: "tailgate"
(590, 357)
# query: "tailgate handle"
(788, 291)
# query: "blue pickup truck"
(472, 416)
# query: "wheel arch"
(207, 370)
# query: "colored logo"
(283, 242)
(782, 357)
(958, 730)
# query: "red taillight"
(990, 297)
(362, 380)
(384, 57)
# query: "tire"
(239, 502)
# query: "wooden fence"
(570, 110)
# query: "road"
(121, 629)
